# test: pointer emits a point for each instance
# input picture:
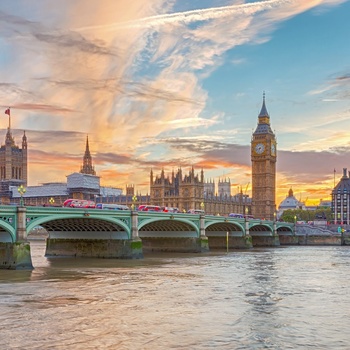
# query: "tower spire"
(263, 112)
(87, 167)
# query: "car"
(196, 211)
(236, 215)
(170, 210)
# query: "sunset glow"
(162, 85)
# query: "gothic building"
(263, 157)
(190, 191)
(183, 192)
(13, 164)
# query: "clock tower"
(263, 156)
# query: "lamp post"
(51, 201)
(274, 216)
(202, 206)
(21, 190)
(134, 199)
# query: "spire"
(263, 112)
(263, 126)
(87, 167)
(24, 140)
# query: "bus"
(79, 203)
(149, 208)
(112, 206)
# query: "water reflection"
(279, 298)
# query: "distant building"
(82, 185)
(224, 187)
(190, 191)
(290, 202)
(341, 200)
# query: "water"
(275, 298)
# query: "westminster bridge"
(128, 234)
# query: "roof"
(263, 112)
(343, 185)
(78, 180)
(49, 190)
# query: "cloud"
(131, 76)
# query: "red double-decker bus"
(79, 203)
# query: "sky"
(168, 84)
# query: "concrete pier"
(94, 248)
(15, 256)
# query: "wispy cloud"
(127, 73)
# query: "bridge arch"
(168, 227)
(76, 226)
(224, 226)
(259, 228)
(285, 230)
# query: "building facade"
(341, 200)
(190, 191)
(263, 157)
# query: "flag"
(7, 111)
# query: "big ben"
(263, 156)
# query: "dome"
(290, 202)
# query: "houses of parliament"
(180, 189)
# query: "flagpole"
(334, 179)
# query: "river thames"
(273, 298)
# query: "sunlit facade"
(190, 191)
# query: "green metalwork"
(122, 221)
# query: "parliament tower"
(13, 160)
(263, 157)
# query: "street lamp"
(295, 219)
(134, 199)
(274, 216)
(21, 190)
(202, 206)
(51, 201)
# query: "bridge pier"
(16, 255)
(94, 248)
(175, 244)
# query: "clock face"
(273, 149)
(259, 148)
